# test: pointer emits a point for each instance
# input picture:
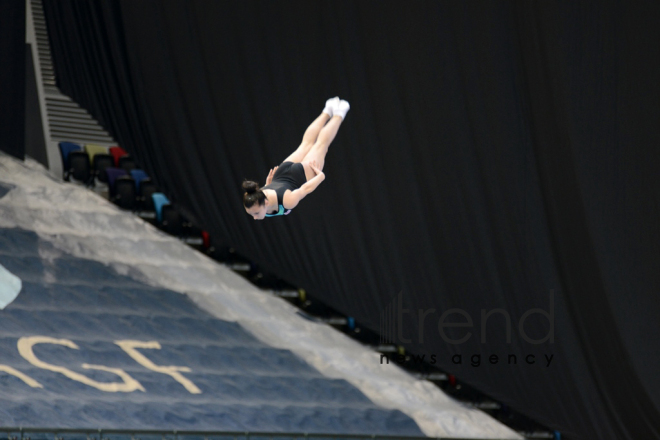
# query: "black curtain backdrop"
(499, 155)
(12, 77)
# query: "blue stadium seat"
(160, 200)
(138, 176)
(65, 149)
(79, 168)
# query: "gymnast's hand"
(315, 166)
(270, 176)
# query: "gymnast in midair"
(300, 173)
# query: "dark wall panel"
(12, 77)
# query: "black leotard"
(290, 176)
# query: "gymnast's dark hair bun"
(250, 187)
(253, 194)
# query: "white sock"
(341, 109)
(330, 104)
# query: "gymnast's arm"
(269, 178)
(291, 199)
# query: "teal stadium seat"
(160, 200)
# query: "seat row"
(128, 187)
(87, 164)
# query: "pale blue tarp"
(85, 347)
(10, 287)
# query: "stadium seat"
(127, 163)
(192, 235)
(125, 194)
(65, 149)
(159, 200)
(146, 188)
(138, 176)
(116, 153)
(206, 240)
(101, 162)
(79, 167)
(171, 220)
(145, 191)
(113, 174)
(92, 150)
(145, 202)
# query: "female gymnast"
(301, 172)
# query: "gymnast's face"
(257, 212)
